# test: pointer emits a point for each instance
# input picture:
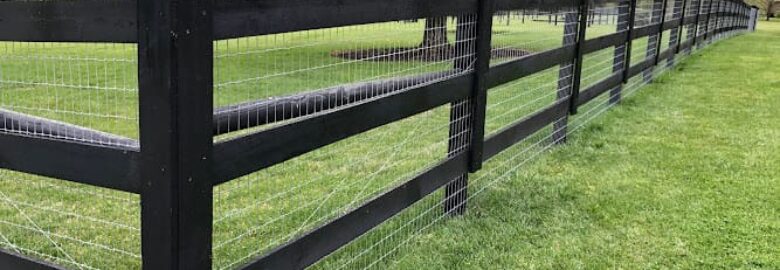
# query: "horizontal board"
(639, 32)
(16, 261)
(689, 19)
(244, 155)
(639, 67)
(686, 44)
(603, 42)
(666, 54)
(115, 21)
(94, 165)
(11, 121)
(670, 24)
(318, 243)
(600, 87)
(240, 18)
(541, 5)
(266, 111)
(527, 65)
(509, 136)
(69, 21)
(652, 29)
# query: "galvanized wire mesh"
(269, 79)
(380, 248)
(518, 33)
(70, 91)
(75, 92)
(511, 102)
(72, 225)
(88, 93)
(265, 209)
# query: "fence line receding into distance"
(288, 134)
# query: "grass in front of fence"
(682, 175)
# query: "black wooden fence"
(176, 164)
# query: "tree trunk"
(435, 32)
(435, 44)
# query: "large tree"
(768, 6)
(434, 47)
(435, 44)
(435, 33)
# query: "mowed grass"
(683, 175)
(84, 227)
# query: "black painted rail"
(176, 163)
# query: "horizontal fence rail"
(187, 146)
(79, 21)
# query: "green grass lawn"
(682, 175)
(94, 85)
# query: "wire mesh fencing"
(84, 93)
(89, 91)
(73, 225)
(340, 133)
(386, 58)
(263, 80)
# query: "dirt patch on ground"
(418, 54)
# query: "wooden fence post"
(654, 39)
(738, 16)
(728, 9)
(629, 40)
(175, 99)
(678, 10)
(726, 18)
(716, 21)
(682, 26)
(693, 31)
(741, 20)
(734, 18)
(624, 9)
(660, 31)
(753, 19)
(579, 57)
(706, 26)
(467, 117)
(715, 16)
(565, 74)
